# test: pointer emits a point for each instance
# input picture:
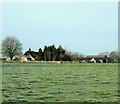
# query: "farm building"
(24, 59)
(98, 59)
(32, 54)
(27, 58)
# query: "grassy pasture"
(71, 82)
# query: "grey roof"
(96, 56)
(27, 56)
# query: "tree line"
(51, 53)
(11, 47)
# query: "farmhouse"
(32, 54)
(98, 59)
(29, 56)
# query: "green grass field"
(73, 82)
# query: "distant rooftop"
(27, 56)
(96, 56)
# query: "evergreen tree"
(60, 53)
(49, 53)
(45, 53)
(53, 53)
(40, 55)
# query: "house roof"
(96, 56)
(32, 53)
(27, 56)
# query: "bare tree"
(75, 56)
(115, 55)
(104, 53)
(11, 47)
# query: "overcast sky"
(84, 27)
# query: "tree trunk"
(11, 58)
